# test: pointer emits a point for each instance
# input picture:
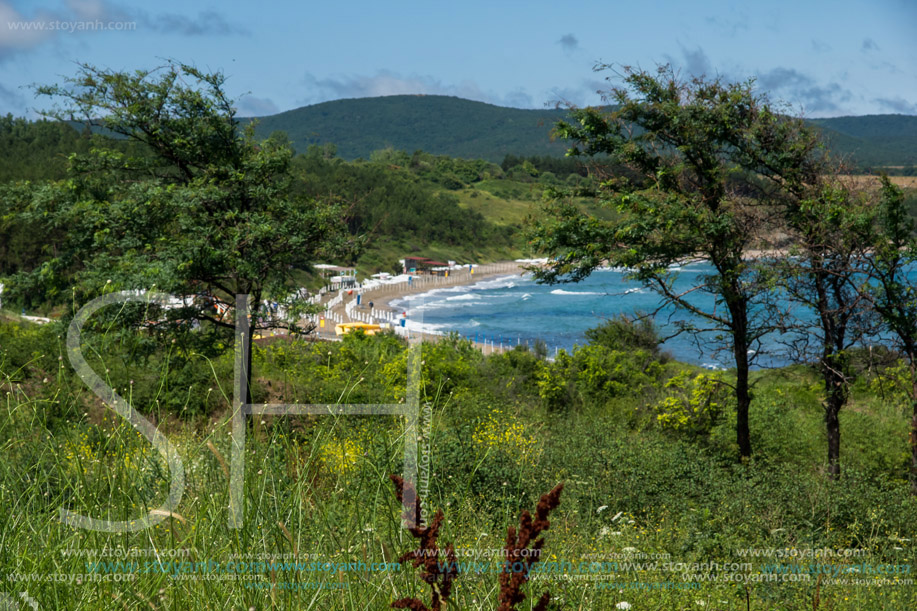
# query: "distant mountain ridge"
(442, 125)
(457, 127)
(873, 140)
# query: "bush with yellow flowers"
(694, 402)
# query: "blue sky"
(831, 58)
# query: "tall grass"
(317, 489)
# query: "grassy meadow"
(655, 511)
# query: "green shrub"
(510, 376)
(694, 403)
(593, 374)
(627, 333)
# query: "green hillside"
(437, 124)
(474, 130)
(873, 140)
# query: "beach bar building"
(337, 277)
(438, 268)
(415, 265)
(420, 266)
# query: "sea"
(514, 310)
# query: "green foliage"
(510, 376)
(26, 211)
(29, 351)
(594, 374)
(820, 279)
(39, 150)
(891, 383)
(320, 483)
(676, 203)
(892, 292)
(212, 214)
(554, 382)
(535, 165)
(450, 364)
(694, 403)
(504, 427)
(684, 144)
(385, 200)
(627, 332)
(891, 289)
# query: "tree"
(204, 213)
(821, 275)
(889, 254)
(700, 168)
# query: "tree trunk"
(836, 392)
(833, 427)
(738, 311)
(743, 397)
(247, 347)
(255, 306)
(245, 327)
(913, 473)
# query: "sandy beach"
(461, 279)
(382, 295)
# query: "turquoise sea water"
(516, 309)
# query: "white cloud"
(206, 23)
(897, 105)
(797, 88)
(17, 33)
(252, 106)
(693, 61)
(386, 82)
(20, 33)
(92, 9)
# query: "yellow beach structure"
(346, 327)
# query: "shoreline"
(382, 295)
(471, 280)
(426, 336)
(384, 301)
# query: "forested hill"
(439, 125)
(873, 140)
(436, 124)
(474, 130)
